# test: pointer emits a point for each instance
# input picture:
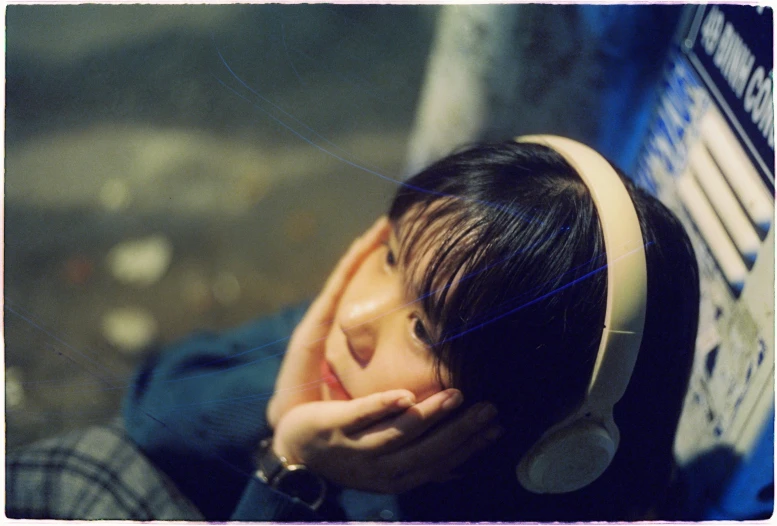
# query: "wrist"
(292, 479)
(279, 448)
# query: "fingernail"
(453, 400)
(485, 414)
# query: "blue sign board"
(731, 49)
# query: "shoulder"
(208, 388)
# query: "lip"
(330, 378)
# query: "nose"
(363, 319)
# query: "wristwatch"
(294, 480)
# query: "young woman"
(449, 338)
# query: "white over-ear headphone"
(576, 451)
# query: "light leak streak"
(360, 165)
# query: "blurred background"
(174, 168)
(161, 177)
(170, 168)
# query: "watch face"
(297, 481)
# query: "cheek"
(407, 370)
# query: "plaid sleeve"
(96, 473)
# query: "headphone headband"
(545, 469)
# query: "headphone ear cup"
(567, 459)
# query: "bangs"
(498, 252)
(439, 244)
(456, 263)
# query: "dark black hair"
(514, 287)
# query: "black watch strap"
(294, 480)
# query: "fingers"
(355, 254)
(323, 307)
(438, 453)
(300, 366)
(435, 455)
(392, 418)
(410, 424)
(476, 421)
(356, 415)
(378, 443)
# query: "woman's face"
(380, 338)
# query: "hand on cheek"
(385, 442)
(299, 378)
